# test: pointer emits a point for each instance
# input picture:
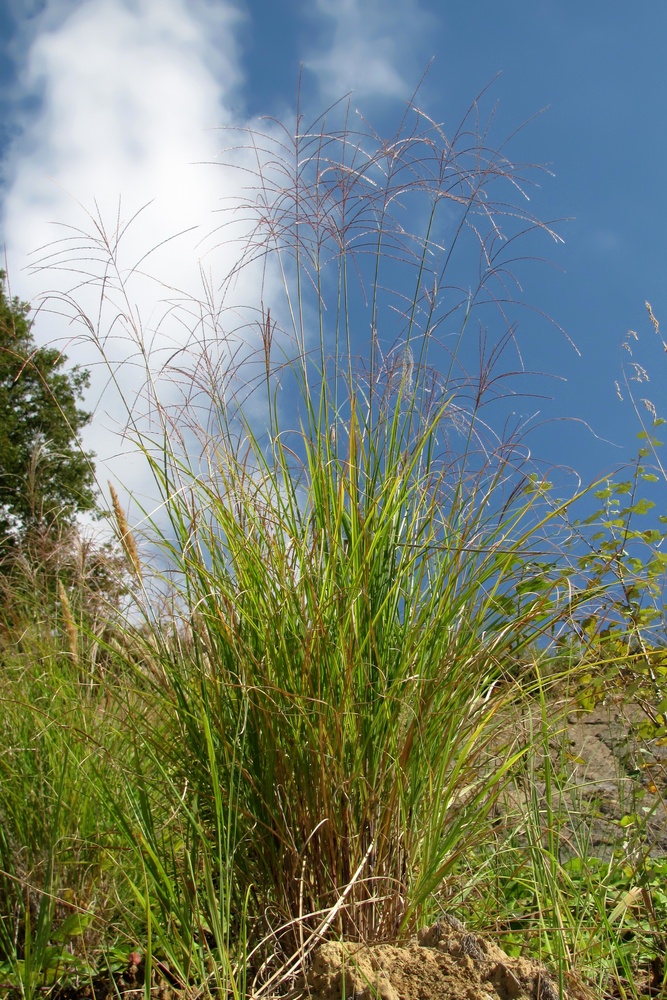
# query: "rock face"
(444, 962)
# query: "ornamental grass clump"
(358, 550)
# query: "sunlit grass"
(354, 579)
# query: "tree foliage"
(46, 477)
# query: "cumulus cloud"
(127, 106)
(119, 103)
(372, 47)
(128, 95)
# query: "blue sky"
(109, 99)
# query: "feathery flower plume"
(125, 533)
(70, 625)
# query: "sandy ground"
(445, 962)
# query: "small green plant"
(627, 637)
(625, 548)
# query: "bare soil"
(444, 962)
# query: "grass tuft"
(330, 708)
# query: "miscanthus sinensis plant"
(357, 549)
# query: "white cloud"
(126, 97)
(129, 98)
(373, 47)
(126, 102)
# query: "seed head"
(71, 630)
(126, 536)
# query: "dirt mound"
(445, 962)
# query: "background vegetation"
(44, 474)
